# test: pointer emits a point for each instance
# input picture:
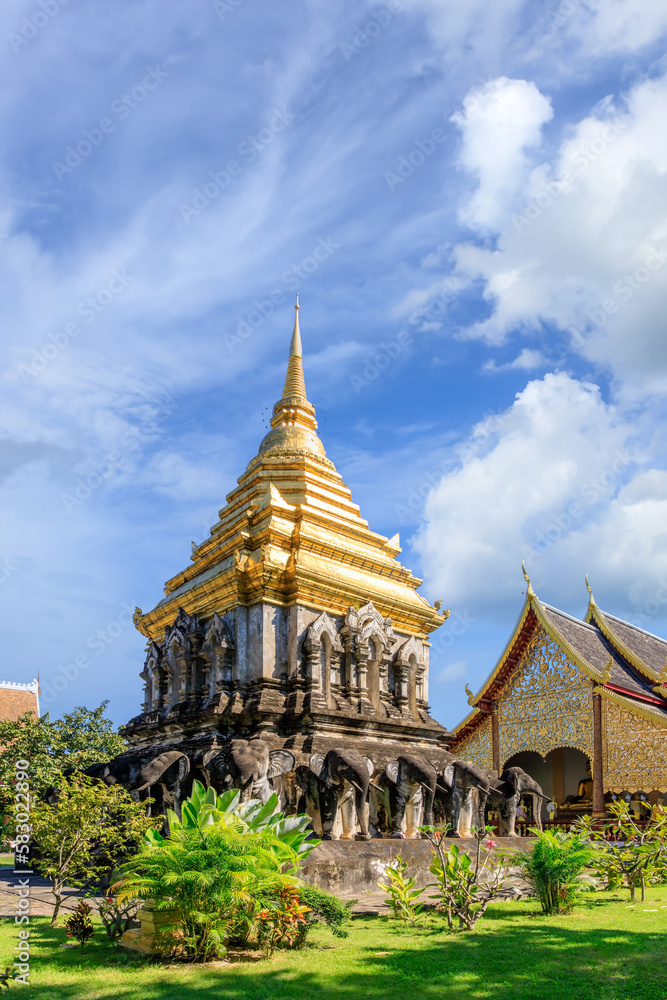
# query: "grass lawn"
(6, 859)
(604, 951)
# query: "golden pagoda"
(294, 619)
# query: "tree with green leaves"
(628, 852)
(80, 738)
(91, 828)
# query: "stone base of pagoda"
(352, 867)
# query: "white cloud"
(527, 361)
(606, 27)
(476, 31)
(588, 247)
(544, 481)
(453, 672)
(499, 123)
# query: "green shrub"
(281, 922)
(464, 885)
(203, 882)
(324, 908)
(555, 868)
(402, 893)
(79, 925)
(117, 917)
(292, 835)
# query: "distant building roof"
(627, 664)
(17, 699)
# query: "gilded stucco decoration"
(635, 751)
(477, 746)
(546, 703)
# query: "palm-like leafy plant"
(555, 868)
(291, 835)
(201, 880)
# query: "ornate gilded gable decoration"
(477, 745)
(635, 751)
(545, 703)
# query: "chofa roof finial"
(530, 593)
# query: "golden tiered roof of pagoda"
(290, 533)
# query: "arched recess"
(325, 666)
(559, 773)
(376, 681)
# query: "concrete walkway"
(41, 898)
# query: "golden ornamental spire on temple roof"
(295, 385)
(530, 593)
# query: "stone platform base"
(353, 867)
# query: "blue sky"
(472, 202)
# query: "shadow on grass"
(525, 962)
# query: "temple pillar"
(314, 681)
(558, 776)
(598, 772)
(365, 706)
(495, 737)
(402, 689)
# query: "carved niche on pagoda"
(359, 664)
(194, 664)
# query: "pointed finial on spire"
(294, 381)
(530, 593)
(591, 599)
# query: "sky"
(471, 200)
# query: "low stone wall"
(353, 867)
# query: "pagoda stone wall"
(299, 677)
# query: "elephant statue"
(463, 788)
(505, 794)
(410, 791)
(341, 789)
(168, 771)
(248, 765)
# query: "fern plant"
(555, 868)
(201, 881)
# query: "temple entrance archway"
(559, 774)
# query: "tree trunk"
(56, 908)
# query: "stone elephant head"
(465, 788)
(506, 793)
(411, 792)
(342, 778)
(168, 771)
(249, 765)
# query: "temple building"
(16, 699)
(294, 620)
(580, 705)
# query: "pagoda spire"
(295, 385)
